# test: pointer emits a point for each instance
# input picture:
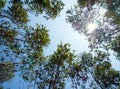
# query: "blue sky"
(59, 31)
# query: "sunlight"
(91, 27)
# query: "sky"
(59, 31)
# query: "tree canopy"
(51, 8)
(28, 43)
(21, 38)
(95, 71)
(103, 13)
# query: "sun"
(91, 27)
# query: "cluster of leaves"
(102, 71)
(6, 71)
(2, 3)
(115, 45)
(51, 7)
(18, 12)
(8, 34)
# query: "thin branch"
(118, 30)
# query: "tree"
(106, 36)
(25, 41)
(51, 8)
(103, 13)
(35, 42)
(58, 66)
(14, 16)
(79, 71)
(22, 39)
(95, 71)
(11, 19)
(102, 71)
(52, 71)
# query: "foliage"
(102, 71)
(26, 41)
(18, 12)
(36, 40)
(13, 15)
(6, 71)
(58, 66)
(105, 36)
(115, 45)
(39, 37)
(52, 71)
(94, 69)
(104, 13)
(2, 3)
(8, 34)
(51, 8)
(14, 18)
(11, 19)
(80, 69)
